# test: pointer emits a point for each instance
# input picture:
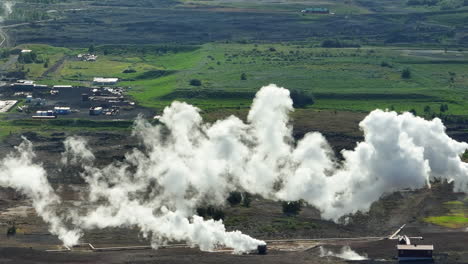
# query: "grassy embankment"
(46, 127)
(457, 217)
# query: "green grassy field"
(457, 217)
(46, 127)
(355, 79)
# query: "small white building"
(56, 87)
(105, 81)
(26, 51)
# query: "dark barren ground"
(451, 247)
(263, 220)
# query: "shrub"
(385, 64)
(246, 199)
(443, 108)
(243, 76)
(427, 109)
(406, 73)
(292, 208)
(129, 70)
(301, 98)
(29, 57)
(195, 82)
(211, 212)
(234, 198)
(11, 231)
(91, 49)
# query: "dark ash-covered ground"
(263, 219)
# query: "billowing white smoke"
(187, 163)
(7, 8)
(18, 171)
(345, 253)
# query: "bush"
(129, 70)
(292, 208)
(195, 82)
(11, 231)
(301, 98)
(243, 76)
(385, 64)
(246, 199)
(211, 212)
(406, 73)
(234, 198)
(91, 49)
(29, 57)
(443, 108)
(427, 109)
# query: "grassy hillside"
(377, 22)
(357, 79)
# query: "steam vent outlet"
(262, 249)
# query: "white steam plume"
(187, 163)
(18, 171)
(346, 253)
(7, 8)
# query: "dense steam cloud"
(6, 9)
(186, 163)
(18, 171)
(346, 253)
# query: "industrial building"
(95, 111)
(87, 57)
(105, 81)
(23, 85)
(413, 252)
(56, 87)
(62, 110)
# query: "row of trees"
(244, 199)
(428, 111)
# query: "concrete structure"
(5, 106)
(105, 81)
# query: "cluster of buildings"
(26, 85)
(52, 114)
(87, 57)
(101, 98)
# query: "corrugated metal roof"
(415, 247)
